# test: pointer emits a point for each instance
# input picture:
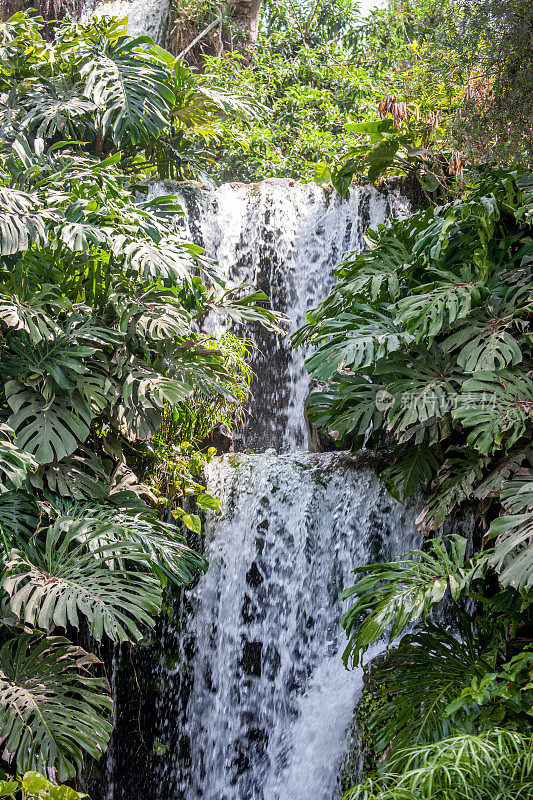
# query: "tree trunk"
(245, 15)
(49, 9)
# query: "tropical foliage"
(101, 303)
(455, 94)
(34, 786)
(466, 767)
(424, 347)
(307, 75)
(426, 338)
(391, 93)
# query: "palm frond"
(417, 681)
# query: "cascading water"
(286, 238)
(144, 17)
(271, 702)
(256, 703)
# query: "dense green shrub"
(100, 342)
(424, 345)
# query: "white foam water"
(286, 238)
(144, 17)
(271, 703)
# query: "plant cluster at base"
(101, 304)
(34, 786)
(425, 345)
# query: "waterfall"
(271, 702)
(286, 238)
(144, 17)
(255, 703)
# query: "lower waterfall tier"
(269, 701)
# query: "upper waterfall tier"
(145, 17)
(285, 238)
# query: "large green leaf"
(19, 519)
(32, 314)
(484, 348)
(130, 86)
(54, 106)
(353, 341)
(22, 221)
(82, 475)
(124, 518)
(15, 464)
(498, 408)
(437, 306)
(513, 533)
(414, 466)
(52, 710)
(154, 316)
(391, 596)
(67, 580)
(48, 430)
(353, 405)
(167, 258)
(380, 158)
(453, 485)
(417, 681)
(144, 394)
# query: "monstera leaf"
(31, 315)
(413, 467)
(56, 362)
(379, 272)
(436, 307)
(484, 348)
(129, 86)
(168, 258)
(54, 587)
(14, 462)
(82, 475)
(126, 518)
(513, 532)
(48, 430)
(19, 518)
(398, 593)
(144, 394)
(352, 405)
(154, 316)
(498, 408)
(23, 222)
(454, 484)
(425, 397)
(353, 343)
(52, 106)
(52, 709)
